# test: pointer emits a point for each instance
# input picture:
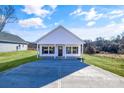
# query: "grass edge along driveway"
(13, 59)
(115, 65)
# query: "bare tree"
(7, 15)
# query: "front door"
(60, 50)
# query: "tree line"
(101, 45)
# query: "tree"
(113, 48)
(122, 38)
(89, 47)
(99, 43)
(121, 49)
(90, 50)
(7, 15)
(117, 39)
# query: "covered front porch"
(60, 50)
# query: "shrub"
(90, 50)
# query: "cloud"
(115, 14)
(90, 15)
(32, 22)
(30, 36)
(56, 23)
(111, 24)
(59, 22)
(93, 15)
(122, 20)
(53, 6)
(92, 33)
(77, 12)
(91, 23)
(37, 10)
(84, 33)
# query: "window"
(19, 47)
(68, 50)
(44, 50)
(23, 45)
(51, 50)
(75, 50)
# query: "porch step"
(60, 58)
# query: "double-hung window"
(75, 50)
(51, 50)
(72, 50)
(44, 50)
(68, 50)
(48, 50)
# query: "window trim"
(46, 50)
(53, 49)
(76, 50)
(67, 50)
(72, 49)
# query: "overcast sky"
(87, 22)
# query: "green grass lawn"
(112, 64)
(13, 59)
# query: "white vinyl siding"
(10, 47)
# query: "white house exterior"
(10, 43)
(60, 43)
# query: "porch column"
(54, 51)
(81, 52)
(37, 51)
(65, 51)
(40, 50)
(82, 49)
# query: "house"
(61, 43)
(10, 42)
(32, 46)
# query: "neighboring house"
(32, 46)
(10, 42)
(60, 43)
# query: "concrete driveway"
(58, 74)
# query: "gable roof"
(60, 35)
(10, 38)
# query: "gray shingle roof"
(7, 37)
